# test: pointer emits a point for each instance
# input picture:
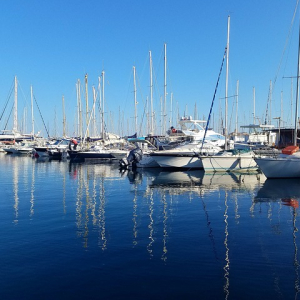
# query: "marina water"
(89, 231)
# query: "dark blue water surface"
(88, 231)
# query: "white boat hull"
(178, 161)
(225, 163)
(279, 167)
(147, 162)
(119, 154)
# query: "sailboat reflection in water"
(90, 200)
(285, 192)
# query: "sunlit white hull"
(119, 154)
(147, 162)
(229, 162)
(178, 160)
(281, 167)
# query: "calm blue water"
(87, 231)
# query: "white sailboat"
(108, 147)
(228, 160)
(184, 156)
(287, 164)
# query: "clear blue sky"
(52, 44)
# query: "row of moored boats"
(188, 147)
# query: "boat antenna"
(212, 103)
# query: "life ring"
(174, 130)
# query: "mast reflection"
(32, 190)
(135, 179)
(227, 262)
(150, 226)
(90, 200)
(165, 228)
(101, 216)
(295, 205)
(16, 189)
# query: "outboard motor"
(132, 159)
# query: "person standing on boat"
(74, 142)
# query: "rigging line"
(155, 86)
(268, 105)
(11, 90)
(212, 104)
(41, 116)
(231, 117)
(280, 62)
(145, 105)
(128, 92)
(8, 117)
(286, 43)
(141, 124)
(19, 86)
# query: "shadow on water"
(279, 189)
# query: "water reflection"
(275, 189)
(286, 192)
(166, 185)
(227, 262)
(91, 198)
(196, 181)
(134, 217)
(189, 225)
(165, 228)
(151, 222)
(296, 262)
(32, 192)
(16, 189)
(21, 168)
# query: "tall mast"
(297, 94)
(161, 116)
(32, 117)
(236, 110)
(15, 126)
(254, 105)
(119, 123)
(100, 99)
(151, 93)
(171, 117)
(226, 86)
(24, 126)
(165, 89)
(80, 132)
(55, 123)
(135, 103)
(78, 108)
(86, 103)
(78, 113)
(64, 117)
(270, 102)
(103, 105)
(94, 116)
(291, 100)
(281, 111)
(147, 128)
